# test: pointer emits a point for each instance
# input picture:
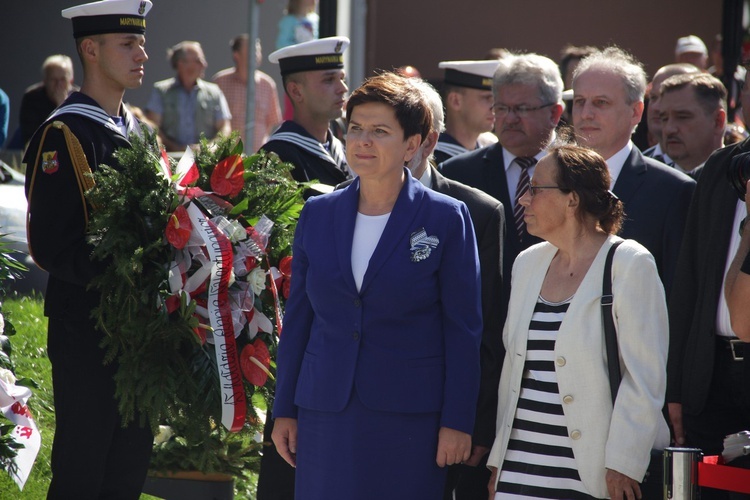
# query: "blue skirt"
(363, 454)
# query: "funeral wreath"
(197, 259)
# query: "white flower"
(236, 231)
(232, 228)
(164, 435)
(7, 376)
(2, 324)
(257, 280)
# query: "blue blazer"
(409, 339)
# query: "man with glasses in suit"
(527, 92)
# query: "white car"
(13, 228)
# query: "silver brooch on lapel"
(422, 245)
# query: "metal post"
(252, 64)
(328, 12)
(681, 473)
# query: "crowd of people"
(570, 194)
(444, 335)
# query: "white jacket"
(603, 438)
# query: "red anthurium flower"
(179, 228)
(285, 266)
(254, 361)
(227, 177)
(200, 331)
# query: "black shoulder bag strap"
(610, 334)
(652, 482)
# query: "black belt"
(734, 345)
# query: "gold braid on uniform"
(77, 157)
(80, 165)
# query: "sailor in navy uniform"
(314, 79)
(467, 97)
(93, 455)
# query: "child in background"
(299, 24)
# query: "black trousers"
(727, 411)
(276, 478)
(93, 455)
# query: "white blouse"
(367, 232)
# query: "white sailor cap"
(326, 53)
(690, 43)
(108, 16)
(472, 74)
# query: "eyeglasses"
(521, 111)
(534, 190)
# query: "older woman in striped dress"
(559, 433)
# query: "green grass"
(30, 359)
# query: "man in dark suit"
(693, 115)
(608, 90)
(659, 150)
(469, 480)
(528, 104)
(706, 372)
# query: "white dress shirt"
(616, 162)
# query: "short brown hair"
(709, 91)
(391, 89)
(584, 172)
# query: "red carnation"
(227, 178)
(179, 228)
(254, 361)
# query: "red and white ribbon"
(13, 399)
(219, 310)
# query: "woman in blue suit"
(378, 363)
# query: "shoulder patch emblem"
(49, 162)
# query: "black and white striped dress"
(539, 462)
